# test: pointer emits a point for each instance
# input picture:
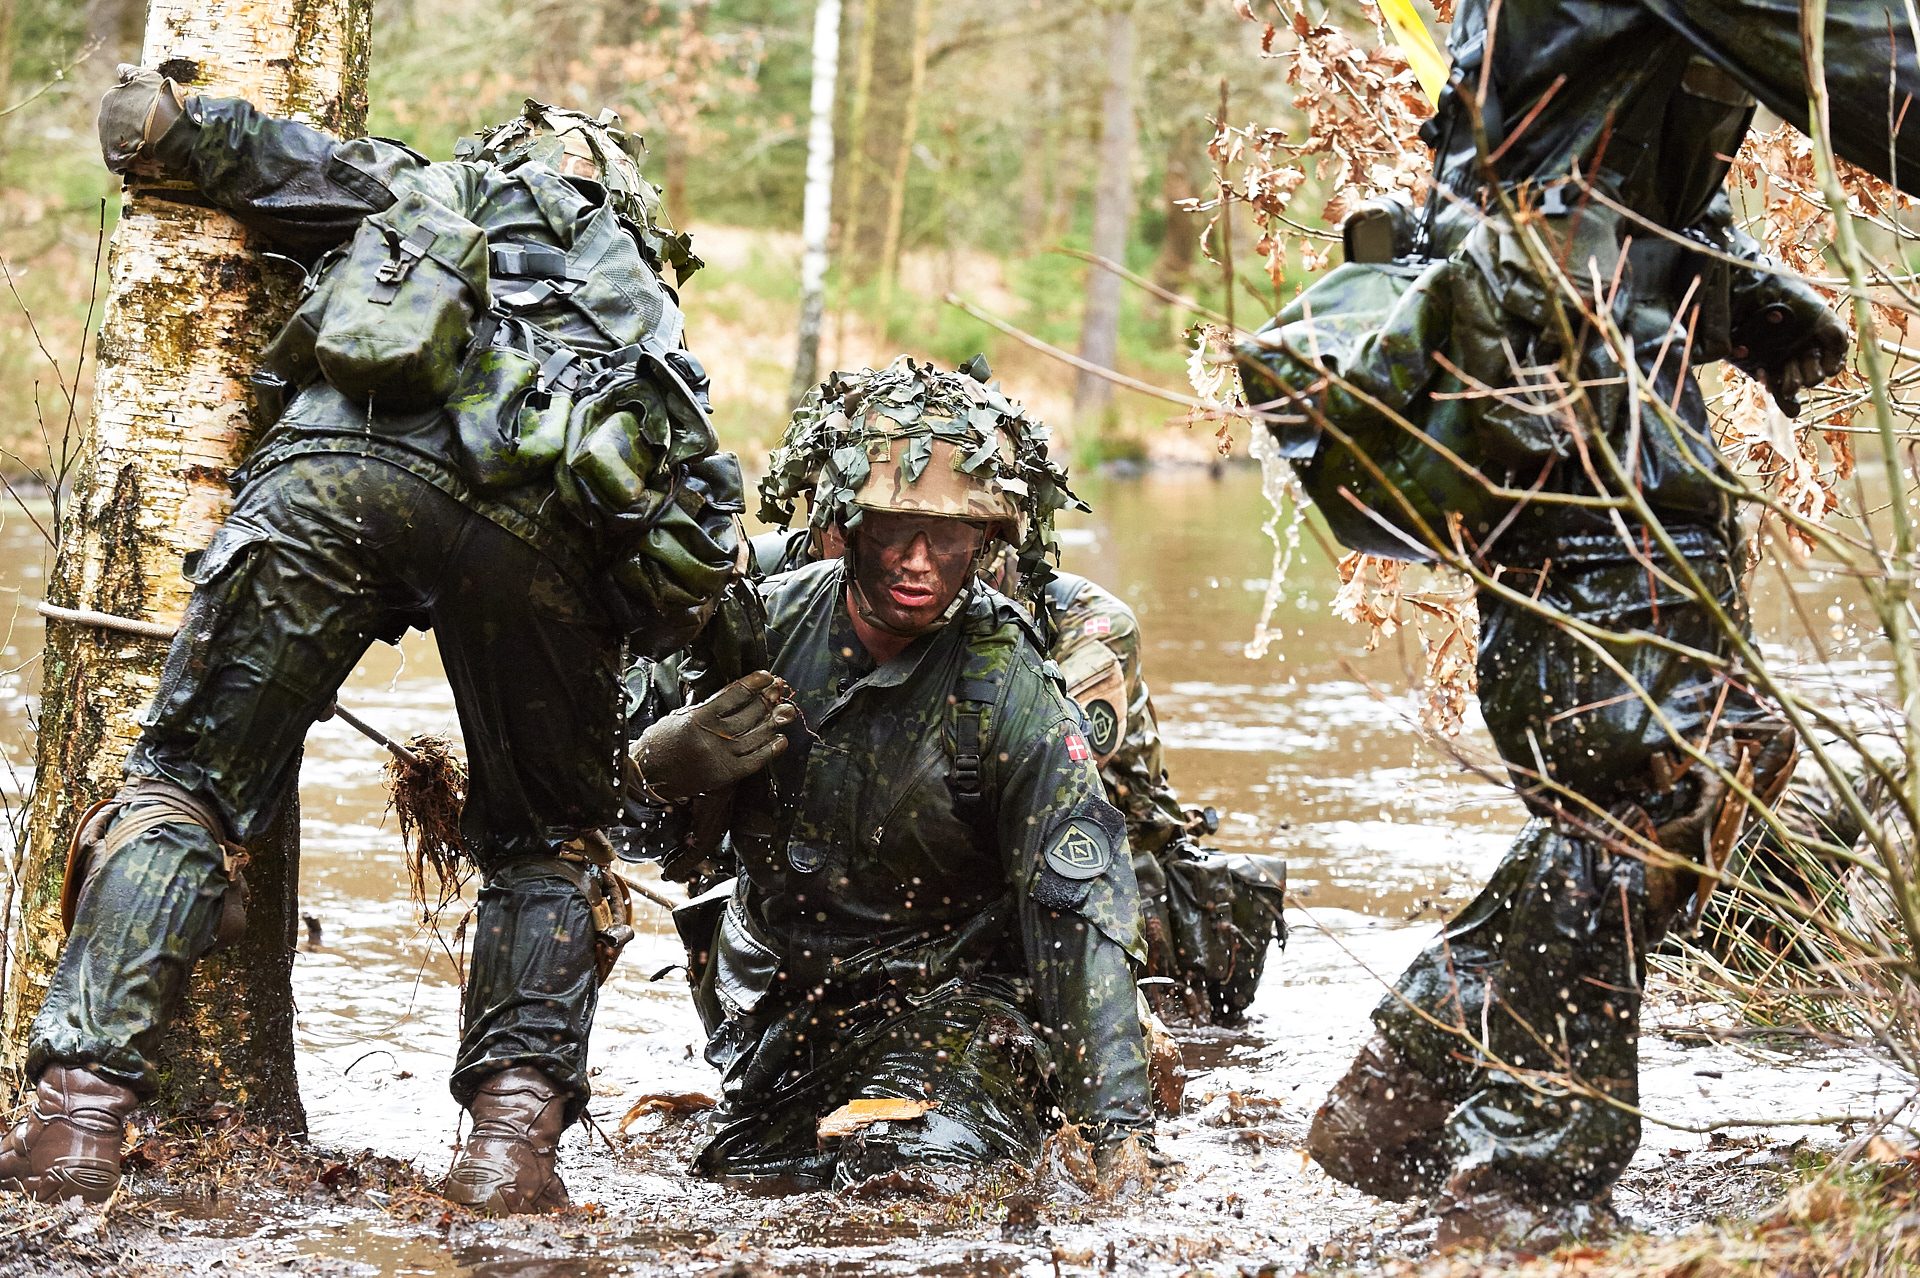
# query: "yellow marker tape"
(1428, 63)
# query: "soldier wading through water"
(1207, 917)
(465, 324)
(934, 902)
(1503, 1074)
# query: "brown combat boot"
(1380, 1126)
(68, 1145)
(507, 1165)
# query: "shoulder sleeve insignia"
(1103, 727)
(1081, 849)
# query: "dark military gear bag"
(1212, 922)
(388, 317)
(511, 408)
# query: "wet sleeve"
(304, 189)
(1080, 920)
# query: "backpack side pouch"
(400, 306)
(511, 407)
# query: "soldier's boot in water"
(1379, 1129)
(1474, 1209)
(507, 1165)
(68, 1145)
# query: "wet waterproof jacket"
(1643, 100)
(1564, 74)
(307, 192)
(879, 873)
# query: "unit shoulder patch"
(1080, 849)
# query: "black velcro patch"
(1055, 891)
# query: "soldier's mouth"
(911, 596)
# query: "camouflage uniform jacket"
(1096, 645)
(873, 874)
(307, 192)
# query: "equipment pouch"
(1506, 325)
(1221, 911)
(511, 407)
(396, 312)
(1380, 444)
(640, 472)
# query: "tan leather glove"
(722, 740)
(134, 114)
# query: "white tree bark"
(188, 309)
(816, 218)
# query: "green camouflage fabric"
(1543, 970)
(321, 557)
(541, 134)
(880, 919)
(388, 317)
(309, 193)
(895, 417)
(1206, 916)
(354, 522)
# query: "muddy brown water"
(1309, 752)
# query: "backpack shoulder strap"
(976, 695)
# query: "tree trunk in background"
(908, 129)
(817, 206)
(114, 25)
(1180, 249)
(1112, 214)
(848, 107)
(188, 309)
(1039, 176)
(7, 10)
(893, 65)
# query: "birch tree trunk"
(816, 220)
(1112, 213)
(189, 307)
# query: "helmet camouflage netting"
(540, 134)
(899, 420)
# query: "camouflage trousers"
(322, 555)
(965, 1045)
(1540, 977)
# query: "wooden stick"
(160, 630)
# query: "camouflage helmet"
(597, 148)
(911, 439)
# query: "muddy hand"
(722, 740)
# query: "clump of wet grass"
(429, 793)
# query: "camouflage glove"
(718, 742)
(1784, 336)
(134, 114)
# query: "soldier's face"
(910, 567)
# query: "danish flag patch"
(1077, 747)
(1098, 626)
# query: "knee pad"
(143, 804)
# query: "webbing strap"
(975, 694)
(163, 803)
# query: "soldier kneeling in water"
(933, 902)
(1206, 916)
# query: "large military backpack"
(422, 309)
